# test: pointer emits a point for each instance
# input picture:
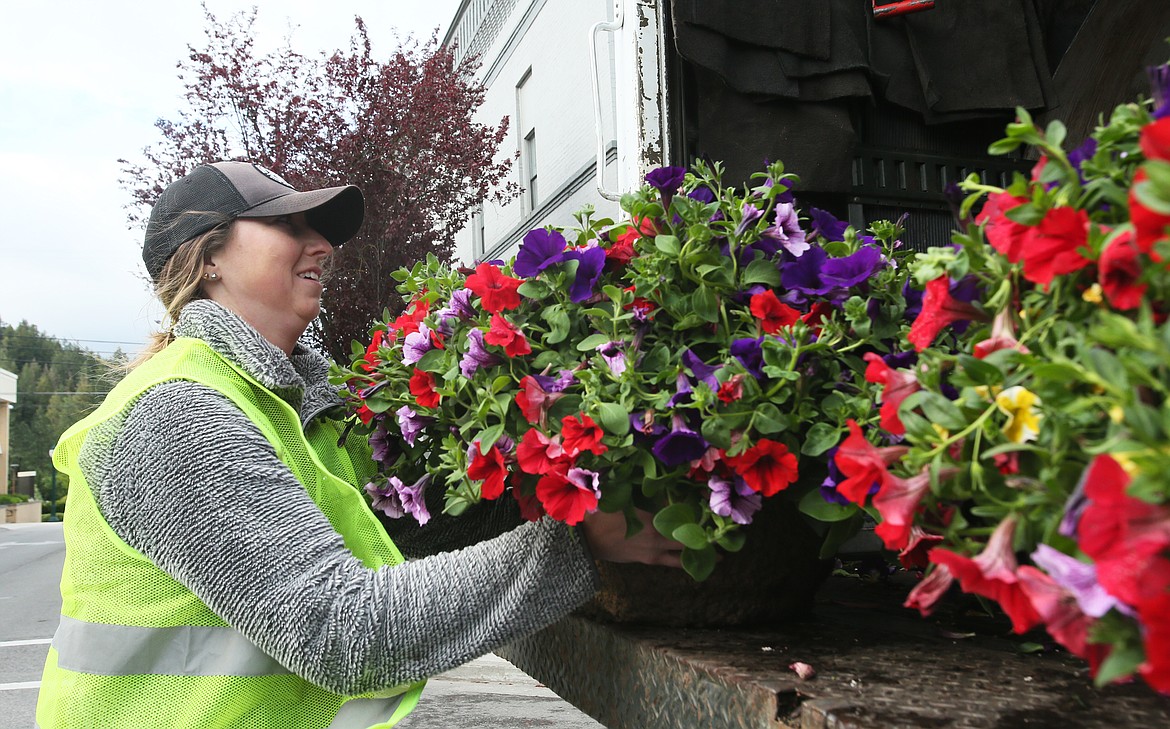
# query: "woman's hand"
(606, 535)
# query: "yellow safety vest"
(137, 650)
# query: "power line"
(26, 394)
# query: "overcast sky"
(81, 85)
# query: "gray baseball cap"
(214, 193)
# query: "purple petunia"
(413, 499)
(1160, 89)
(750, 354)
(702, 371)
(667, 180)
(410, 424)
(826, 225)
(590, 262)
(417, 344)
(786, 230)
(548, 383)
(585, 480)
(541, 248)
(682, 391)
(477, 354)
(853, 269)
(645, 425)
(734, 498)
(681, 445)
(803, 275)
(1078, 156)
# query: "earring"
(212, 276)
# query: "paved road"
(488, 692)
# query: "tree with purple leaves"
(402, 129)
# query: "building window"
(529, 156)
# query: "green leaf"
(839, 533)
(937, 409)
(717, 432)
(672, 517)
(820, 438)
(732, 541)
(616, 494)
(768, 419)
(668, 244)
(699, 563)
(761, 272)
(614, 418)
(1025, 214)
(706, 304)
(691, 535)
(432, 361)
(559, 324)
(979, 372)
(534, 289)
(815, 506)
(1122, 661)
(488, 437)
(592, 342)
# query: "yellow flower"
(943, 433)
(1127, 464)
(1093, 294)
(1023, 419)
(987, 392)
(1116, 414)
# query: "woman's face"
(270, 274)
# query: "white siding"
(545, 44)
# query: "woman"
(222, 567)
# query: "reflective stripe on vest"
(128, 650)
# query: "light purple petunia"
(1079, 578)
(416, 345)
(541, 248)
(386, 498)
(614, 355)
(458, 306)
(734, 498)
(410, 424)
(590, 262)
(751, 214)
(786, 230)
(585, 480)
(413, 498)
(681, 445)
(477, 355)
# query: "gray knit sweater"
(186, 479)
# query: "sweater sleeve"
(243, 535)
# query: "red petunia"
(1054, 247)
(1155, 140)
(539, 454)
(565, 498)
(917, 544)
(503, 333)
(496, 291)
(1155, 617)
(863, 464)
(939, 310)
(731, 390)
(773, 314)
(371, 359)
(530, 507)
(992, 574)
(930, 589)
(1118, 272)
(422, 386)
(896, 501)
(365, 414)
(534, 402)
(817, 314)
(1149, 226)
(488, 467)
(1125, 536)
(768, 466)
(581, 434)
(1004, 234)
(897, 386)
(408, 321)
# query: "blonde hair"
(180, 282)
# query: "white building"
(7, 401)
(537, 59)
